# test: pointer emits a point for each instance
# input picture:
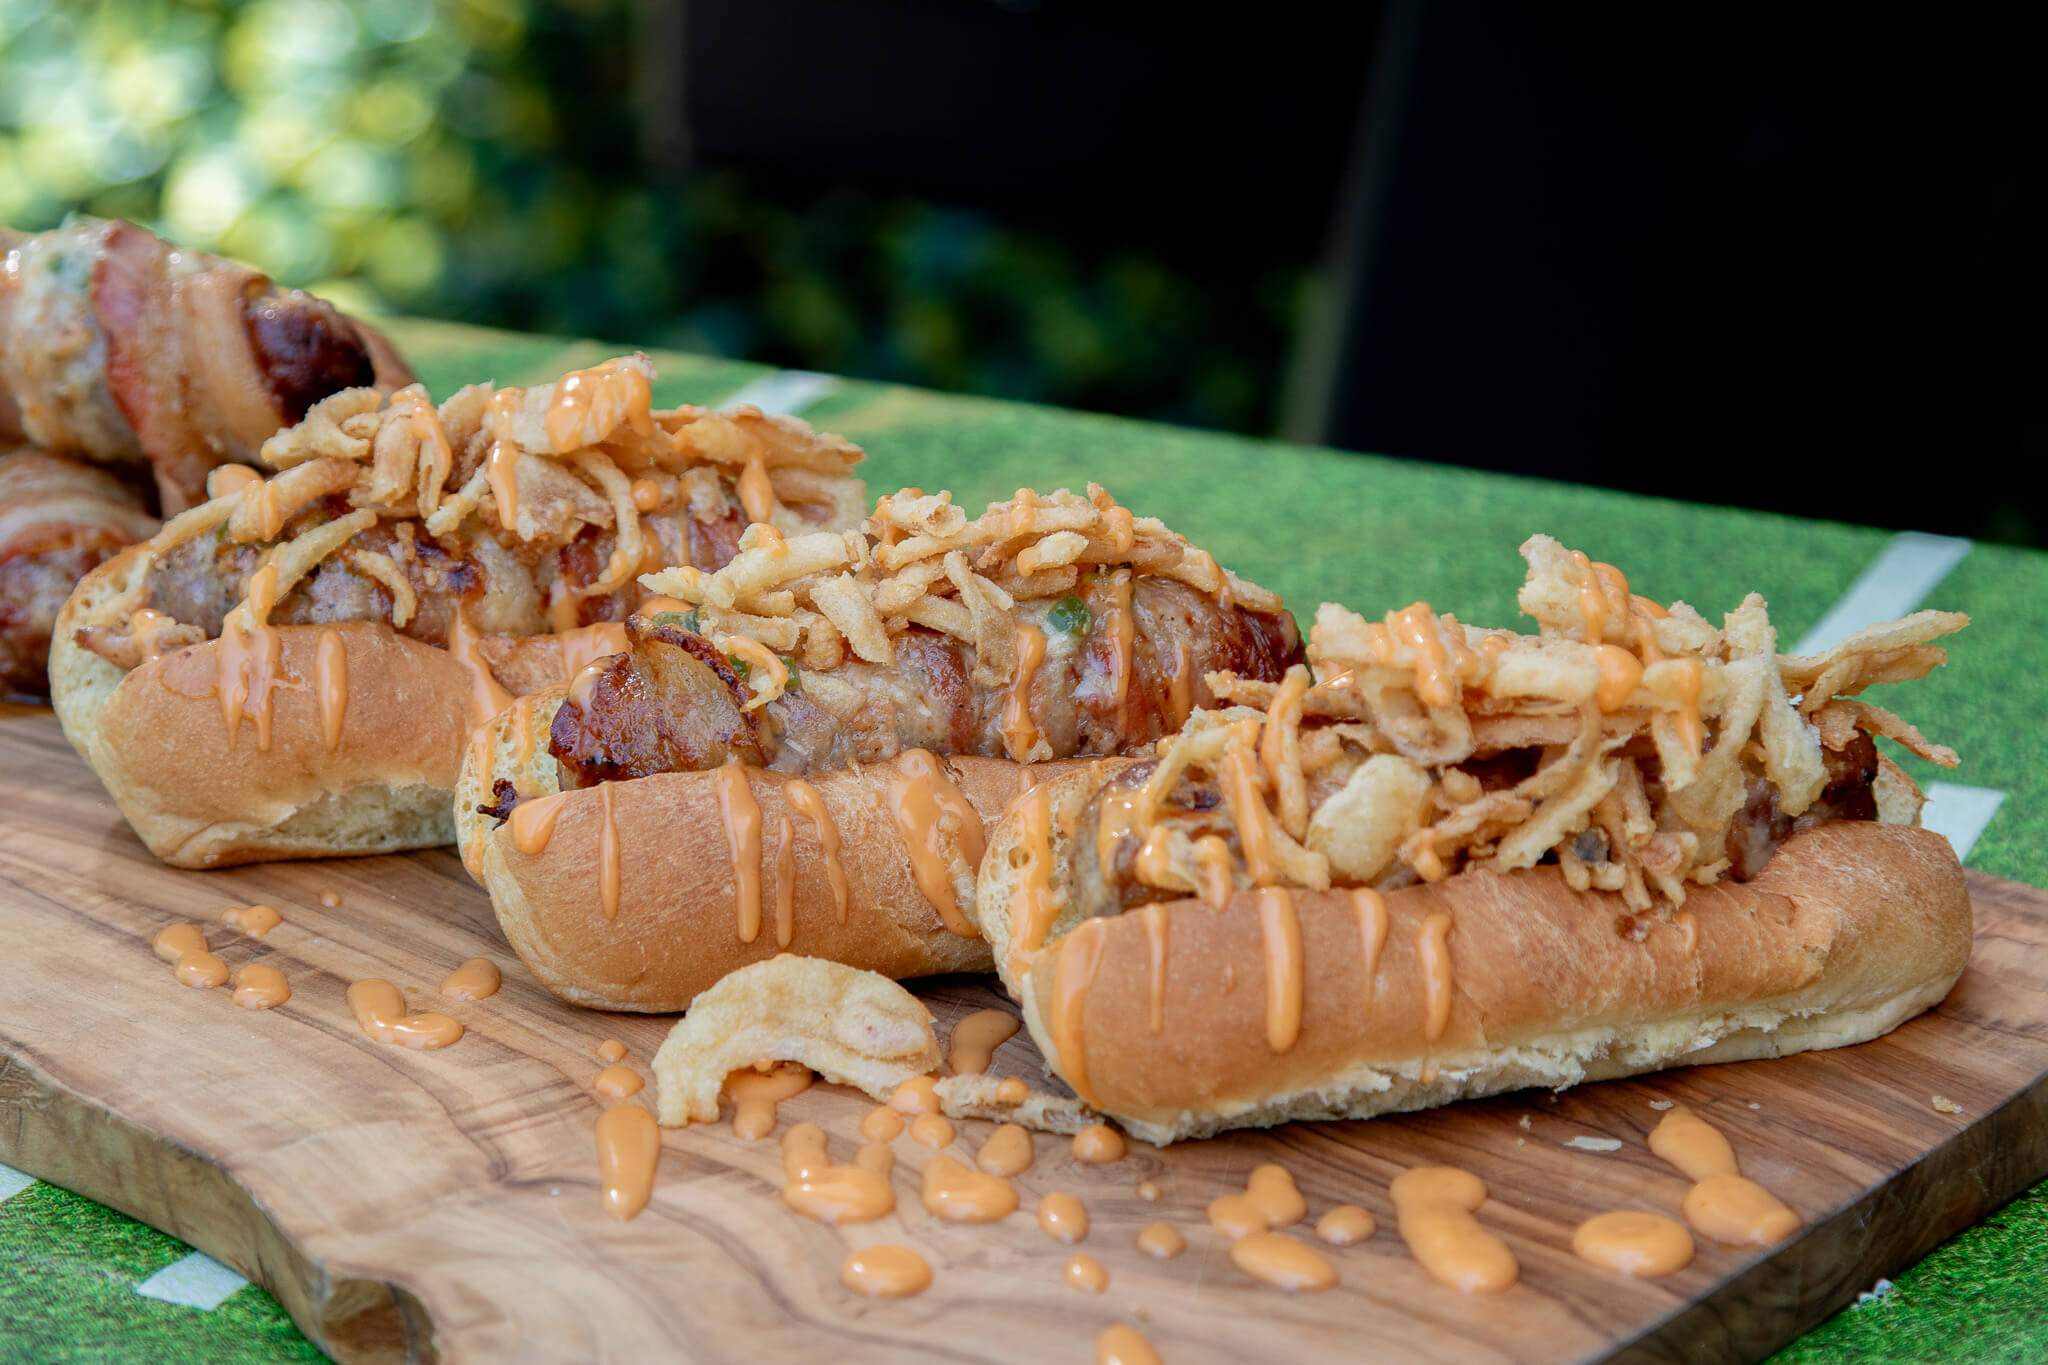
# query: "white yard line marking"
(787, 392)
(196, 1281)
(1960, 812)
(1897, 581)
(13, 1182)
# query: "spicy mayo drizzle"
(330, 686)
(1155, 949)
(921, 800)
(785, 882)
(1280, 931)
(1433, 949)
(253, 920)
(476, 979)
(184, 947)
(756, 1093)
(1031, 906)
(1020, 732)
(608, 854)
(628, 1150)
(249, 660)
(533, 822)
(803, 798)
(486, 697)
(1434, 1206)
(1723, 1205)
(379, 1009)
(975, 1039)
(740, 813)
(885, 1272)
(817, 1188)
(618, 394)
(259, 986)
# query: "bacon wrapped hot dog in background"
(1451, 862)
(120, 348)
(292, 668)
(805, 754)
(58, 520)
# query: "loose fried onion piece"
(851, 1027)
(1625, 739)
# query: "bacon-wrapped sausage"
(118, 347)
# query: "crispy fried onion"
(1622, 740)
(919, 560)
(533, 467)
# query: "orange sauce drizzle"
(1435, 681)
(1086, 1274)
(646, 494)
(608, 854)
(958, 1193)
(248, 660)
(1686, 924)
(1080, 954)
(785, 882)
(756, 1093)
(803, 798)
(1434, 1206)
(1121, 630)
(146, 627)
(1280, 930)
(1181, 686)
(1120, 817)
(486, 697)
(379, 1009)
(1279, 1262)
(740, 813)
(1240, 783)
(757, 494)
(1155, 950)
(1007, 1152)
(628, 1151)
(1212, 860)
(919, 796)
(585, 645)
(1020, 732)
(230, 478)
(617, 1082)
(1643, 1246)
(1620, 674)
(975, 1039)
(618, 393)
(259, 986)
(502, 463)
(1432, 947)
(533, 822)
(476, 979)
(1691, 675)
(330, 686)
(184, 947)
(885, 1272)
(253, 920)
(1031, 905)
(1372, 932)
(522, 730)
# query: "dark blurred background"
(1781, 257)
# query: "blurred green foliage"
(481, 160)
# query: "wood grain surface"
(443, 1205)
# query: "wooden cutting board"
(443, 1205)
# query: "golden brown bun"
(677, 929)
(156, 738)
(1852, 928)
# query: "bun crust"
(1852, 928)
(677, 931)
(156, 738)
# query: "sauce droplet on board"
(885, 1272)
(918, 1095)
(617, 1082)
(1121, 1345)
(975, 1039)
(1007, 1152)
(816, 1188)
(1346, 1225)
(259, 986)
(1275, 1259)
(1062, 1218)
(628, 1150)
(959, 1194)
(1693, 1145)
(881, 1124)
(1098, 1144)
(1086, 1274)
(476, 979)
(331, 899)
(923, 802)
(1161, 1241)
(184, 947)
(1434, 1206)
(379, 1009)
(1270, 1200)
(756, 1093)
(1643, 1245)
(1148, 1190)
(932, 1130)
(611, 1051)
(253, 920)
(1736, 1211)
(1012, 1090)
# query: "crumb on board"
(1754, 1105)
(1660, 1104)
(1524, 1124)
(1946, 1105)
(1593, 1144)
(1521, 1142)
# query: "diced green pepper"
(1071, 615)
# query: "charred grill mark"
(669, 704)
(504, 797)
(305, 350)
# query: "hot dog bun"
(1851, 928)
(157, 739)
(679, 923)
